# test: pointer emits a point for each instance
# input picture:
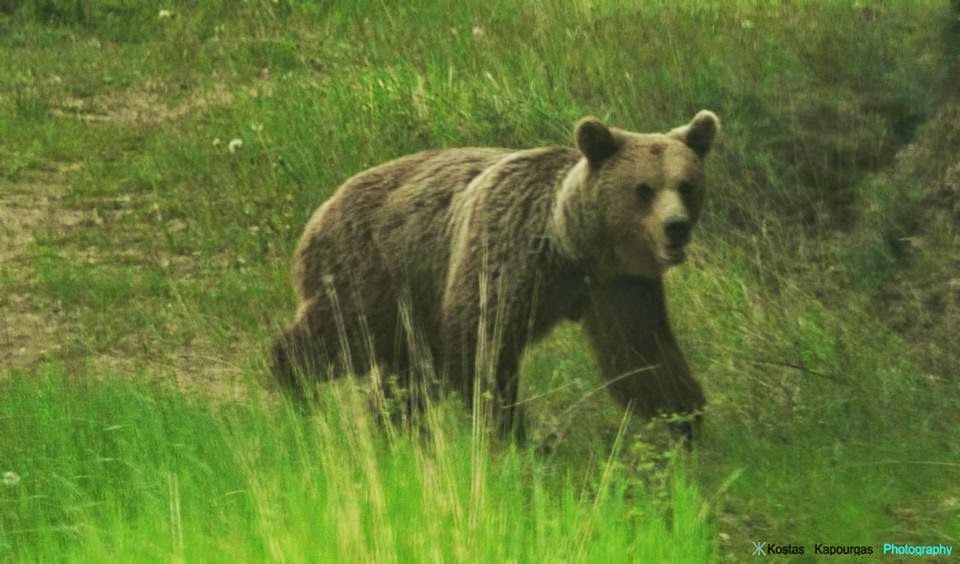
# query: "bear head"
(638, 195)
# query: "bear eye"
(645, 192)
(686, 190)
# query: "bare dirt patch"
(145, 105)
(28, 207)
(32, 329)
(39, 204)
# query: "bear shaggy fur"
(463, 257)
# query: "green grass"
(123, 471)
(833, 410)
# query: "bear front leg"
(641, 362)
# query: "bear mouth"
(673, 256)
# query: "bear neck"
(575, 225)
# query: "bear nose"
(678, 230)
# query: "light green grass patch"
(119, 470)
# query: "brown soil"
(144, 106)
(28, 207)
(36, 205)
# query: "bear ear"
(595, 140)
(699, 133)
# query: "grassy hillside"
(157, 164)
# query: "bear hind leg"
(306, 353)
(298, 359)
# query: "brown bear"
(457, 259)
